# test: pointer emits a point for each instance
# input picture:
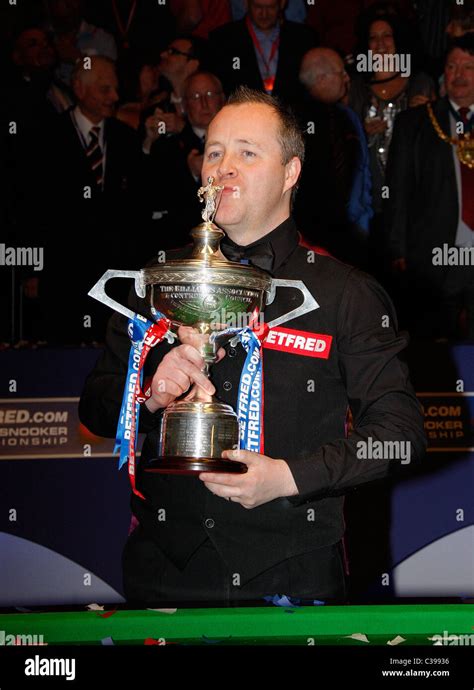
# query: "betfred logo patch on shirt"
(299, 342)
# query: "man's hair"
(198, 46)
(80, 72)
(465, 43)
(290, 136)
(202, 73)
(318, 65)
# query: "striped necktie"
(95, 156)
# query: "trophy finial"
(209, 194)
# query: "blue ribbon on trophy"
(250, 397)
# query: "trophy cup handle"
(309, 303)
(98, 291)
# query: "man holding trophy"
(222, 524)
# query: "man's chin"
(459, 93)
(225, 220)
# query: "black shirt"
(307, 393)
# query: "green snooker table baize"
(400, 625)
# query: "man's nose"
(461, 70)
(226, 167)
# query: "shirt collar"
(456, 106)
(198, 131)
(85, 125)
(282, 241)
(262, 36)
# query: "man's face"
(459, 77)
(243, 154)
(174, 59)
(98, 94)
(204, 98)
(331, 87)
(265, 13)
(381, 39)
(33, 50)
(454, 29)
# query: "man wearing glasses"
(176, 159)
(178, 61)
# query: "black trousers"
(151, 578)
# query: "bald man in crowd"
(89, 167)
(333, 202)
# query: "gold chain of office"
(464, 145)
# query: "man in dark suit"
(263, 51)
(430, 207)
(88, 178)
(228, 538)
(332, 206)
(176, 161)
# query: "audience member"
(30, 92)
(166, 117)
(430, 209)
(88, 181)
(333, 202)
(378, 95)
(73, 37)
(461, 19)
(176, 161)
(141, 29)
(295, 10)
(150, 168)
(461, 22)
(263, 51)
(146, 95)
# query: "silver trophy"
(201, 291)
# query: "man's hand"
(375, 125)
(265, 480)
(179, 369)
(171, 123)
(194, 161)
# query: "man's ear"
(78, 89)
(292, 173)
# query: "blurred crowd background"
(101, 159)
